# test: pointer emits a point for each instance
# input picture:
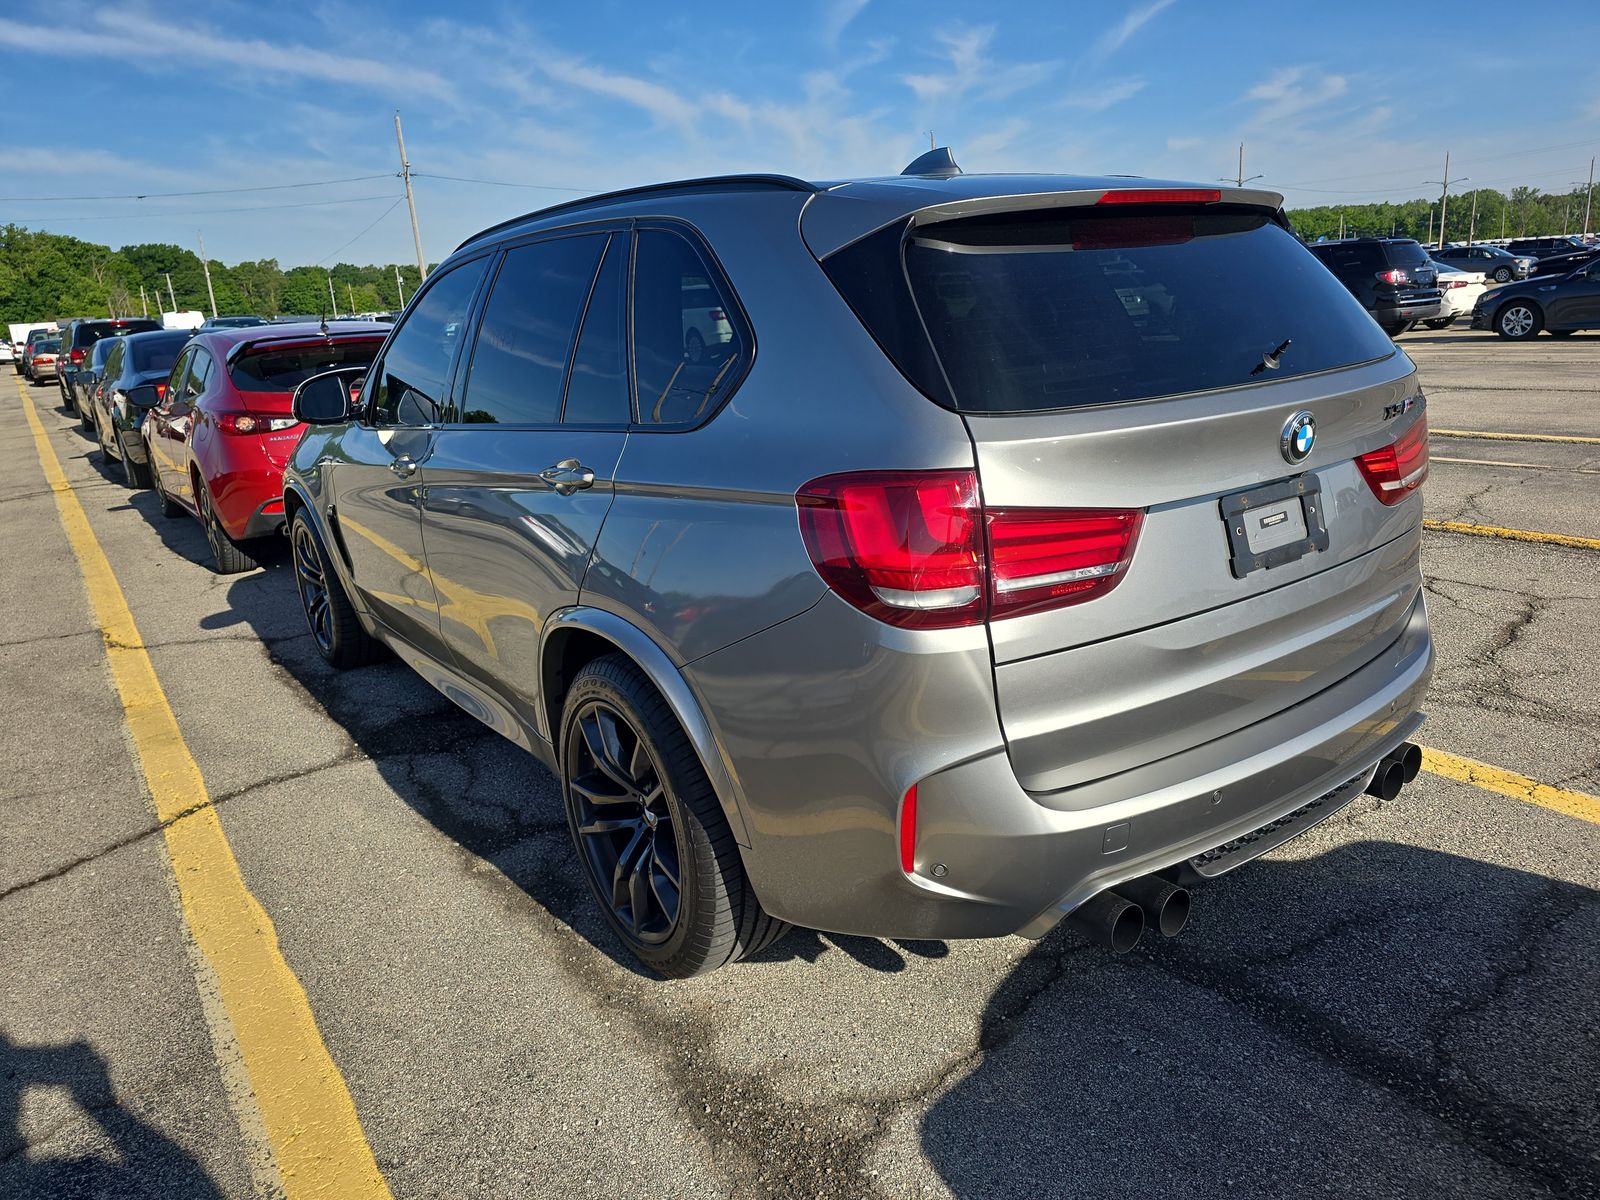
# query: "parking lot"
(1400, 1003)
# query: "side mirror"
(329, 398)
(144, 396)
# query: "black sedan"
(1560, 304)
(1565, 264)
(135, 359)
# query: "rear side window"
(688, 342)
(155, 354)
(284, 370)
(1046, 310)
(597, 392)
(519, 361)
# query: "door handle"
(404, 466)
(568, 476)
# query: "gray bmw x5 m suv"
(1011, 548)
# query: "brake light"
(916, 548)
(716, 314)
(76, 356)
(1394, 472)
(1394, 275)
(908, 830)
(232, 422)
(1161, 196)
(1045, 558)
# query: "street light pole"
(1444, 199)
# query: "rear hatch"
(265, 374)
(1411, 277)
(1148, 364)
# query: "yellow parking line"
(1508, 783)
(1515, 535)
(1514, 437)
(310, 1119)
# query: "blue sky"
(133, 98)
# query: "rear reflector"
(916, 548)
(908, 831)
(1161, 196)
(1395, 471)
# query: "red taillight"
(76, 356)
(1047, 558)
(902, 546)
(916, 549)
(234, 422)
(908, 831)
(1394, 275)
(1161, 196)
(1394, 472)
(716, 314)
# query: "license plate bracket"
(1274, 524)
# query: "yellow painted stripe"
(1513, 437)
(1508, 783)
(310, 1119)
(1515, 535)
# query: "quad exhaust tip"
(1116, 920)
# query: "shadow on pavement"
(129, 1158)
(1382, 1020)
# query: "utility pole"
(332, 298)
(1502, 220)
(1588, 197)
(205, 266)
(143, 303)
(1472, 221)
(170, 296)
(1444, 199)
(1430, 222)
(411, 203)
(399, 291)
(350, 290)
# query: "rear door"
(520, 479)
(1194, 375)
(1575, 304)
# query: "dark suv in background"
(1392, 277)
(78, 339)
(1546, 247)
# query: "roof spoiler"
(938, 163)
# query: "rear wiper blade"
(1269, 360)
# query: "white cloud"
(971, 69)
(1177, 145)
(1104, 95)
(836, 16)
(1113, 39)
(1290, 91)
(659, 101)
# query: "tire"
(330, 617)
(1502, 274)
(169, 507)
(1395, 331)
(86, 416)
(135, 475)
(228, 557)
(694, 347)
(1440, 323)
(1518, 321)
(624, 754)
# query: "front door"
(172, 421)
(375, 479)
(520, 480)
(1577, 303)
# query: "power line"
(195, 212)
(362, 234)
(268, 187)
(548, 187)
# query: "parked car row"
(997, 588)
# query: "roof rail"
(711, 183)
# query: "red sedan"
(218, 440)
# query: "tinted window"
(90, 333)
(114, 357)
(519, 361)
(1350, 255)
(1048, 310)
(686, 346)
(50, 346)
(155, 354)
(199, 375)
(284, 370)
(416, 367)
(179, 371)
(597, 393)
(1405, 254)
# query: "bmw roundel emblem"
(1299, 435)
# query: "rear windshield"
(1406, 254)
(50, 346)
(285, 370)
(88, 335)
(1047, 310)
(156, 354)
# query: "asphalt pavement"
(1402, 1002)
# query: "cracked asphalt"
(1402, 1002)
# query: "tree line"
(47, 275)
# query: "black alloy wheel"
(227, 556)
(169, 507)
(331, 618)
(312, 580)
(626, 825)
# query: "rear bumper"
(990, 857)
(1395, 313)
